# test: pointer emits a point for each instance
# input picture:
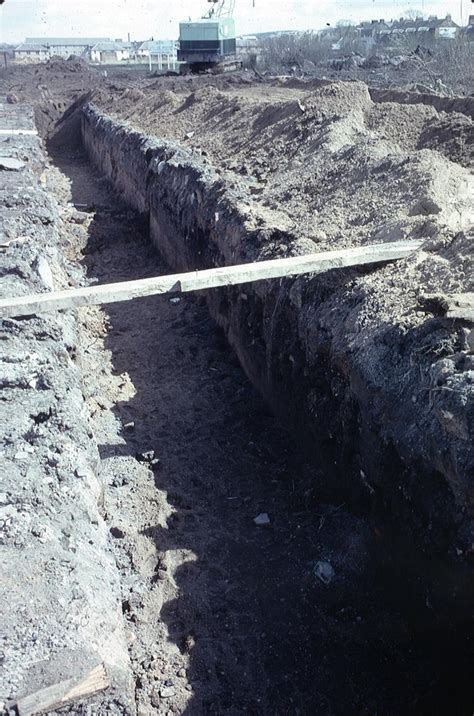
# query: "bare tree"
(445, 65)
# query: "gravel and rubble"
(61, 614)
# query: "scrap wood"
(63, 693)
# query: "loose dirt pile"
(380, 388)
(50, 88)
(329, 163)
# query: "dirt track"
(222, 616)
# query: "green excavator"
(209, 44)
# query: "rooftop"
(405, 23)
(31, 47)
(108, 46)
(159, 46)
(76, 41)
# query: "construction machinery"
(209, 44)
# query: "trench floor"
(222, 616)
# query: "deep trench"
(255, 629)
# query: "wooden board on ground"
(63, 693)
(209, 278)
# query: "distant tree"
(412, 14)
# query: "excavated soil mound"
(326, 162)
(329, 168)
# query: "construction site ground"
(223, 615)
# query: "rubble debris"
(148, 456)
(455, 306)
(166, 692)
(47, 438)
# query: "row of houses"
(432, 27)
(389, 33)
(97, 50)
(383, 32)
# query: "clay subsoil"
(224, 616)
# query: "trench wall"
(465, 105)
(362, 413)
(60, 607)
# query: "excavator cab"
(208, 43)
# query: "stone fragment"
(166, 692)
(11, 164)
(44, 271)
(424, 207)
(21, 455)
(470, 340)
(117, 532)
(324, 571)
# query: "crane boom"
(220, 8)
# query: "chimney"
(128, 37)
(471, 20)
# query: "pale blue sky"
(160, 18)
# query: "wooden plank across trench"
(202, 280)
